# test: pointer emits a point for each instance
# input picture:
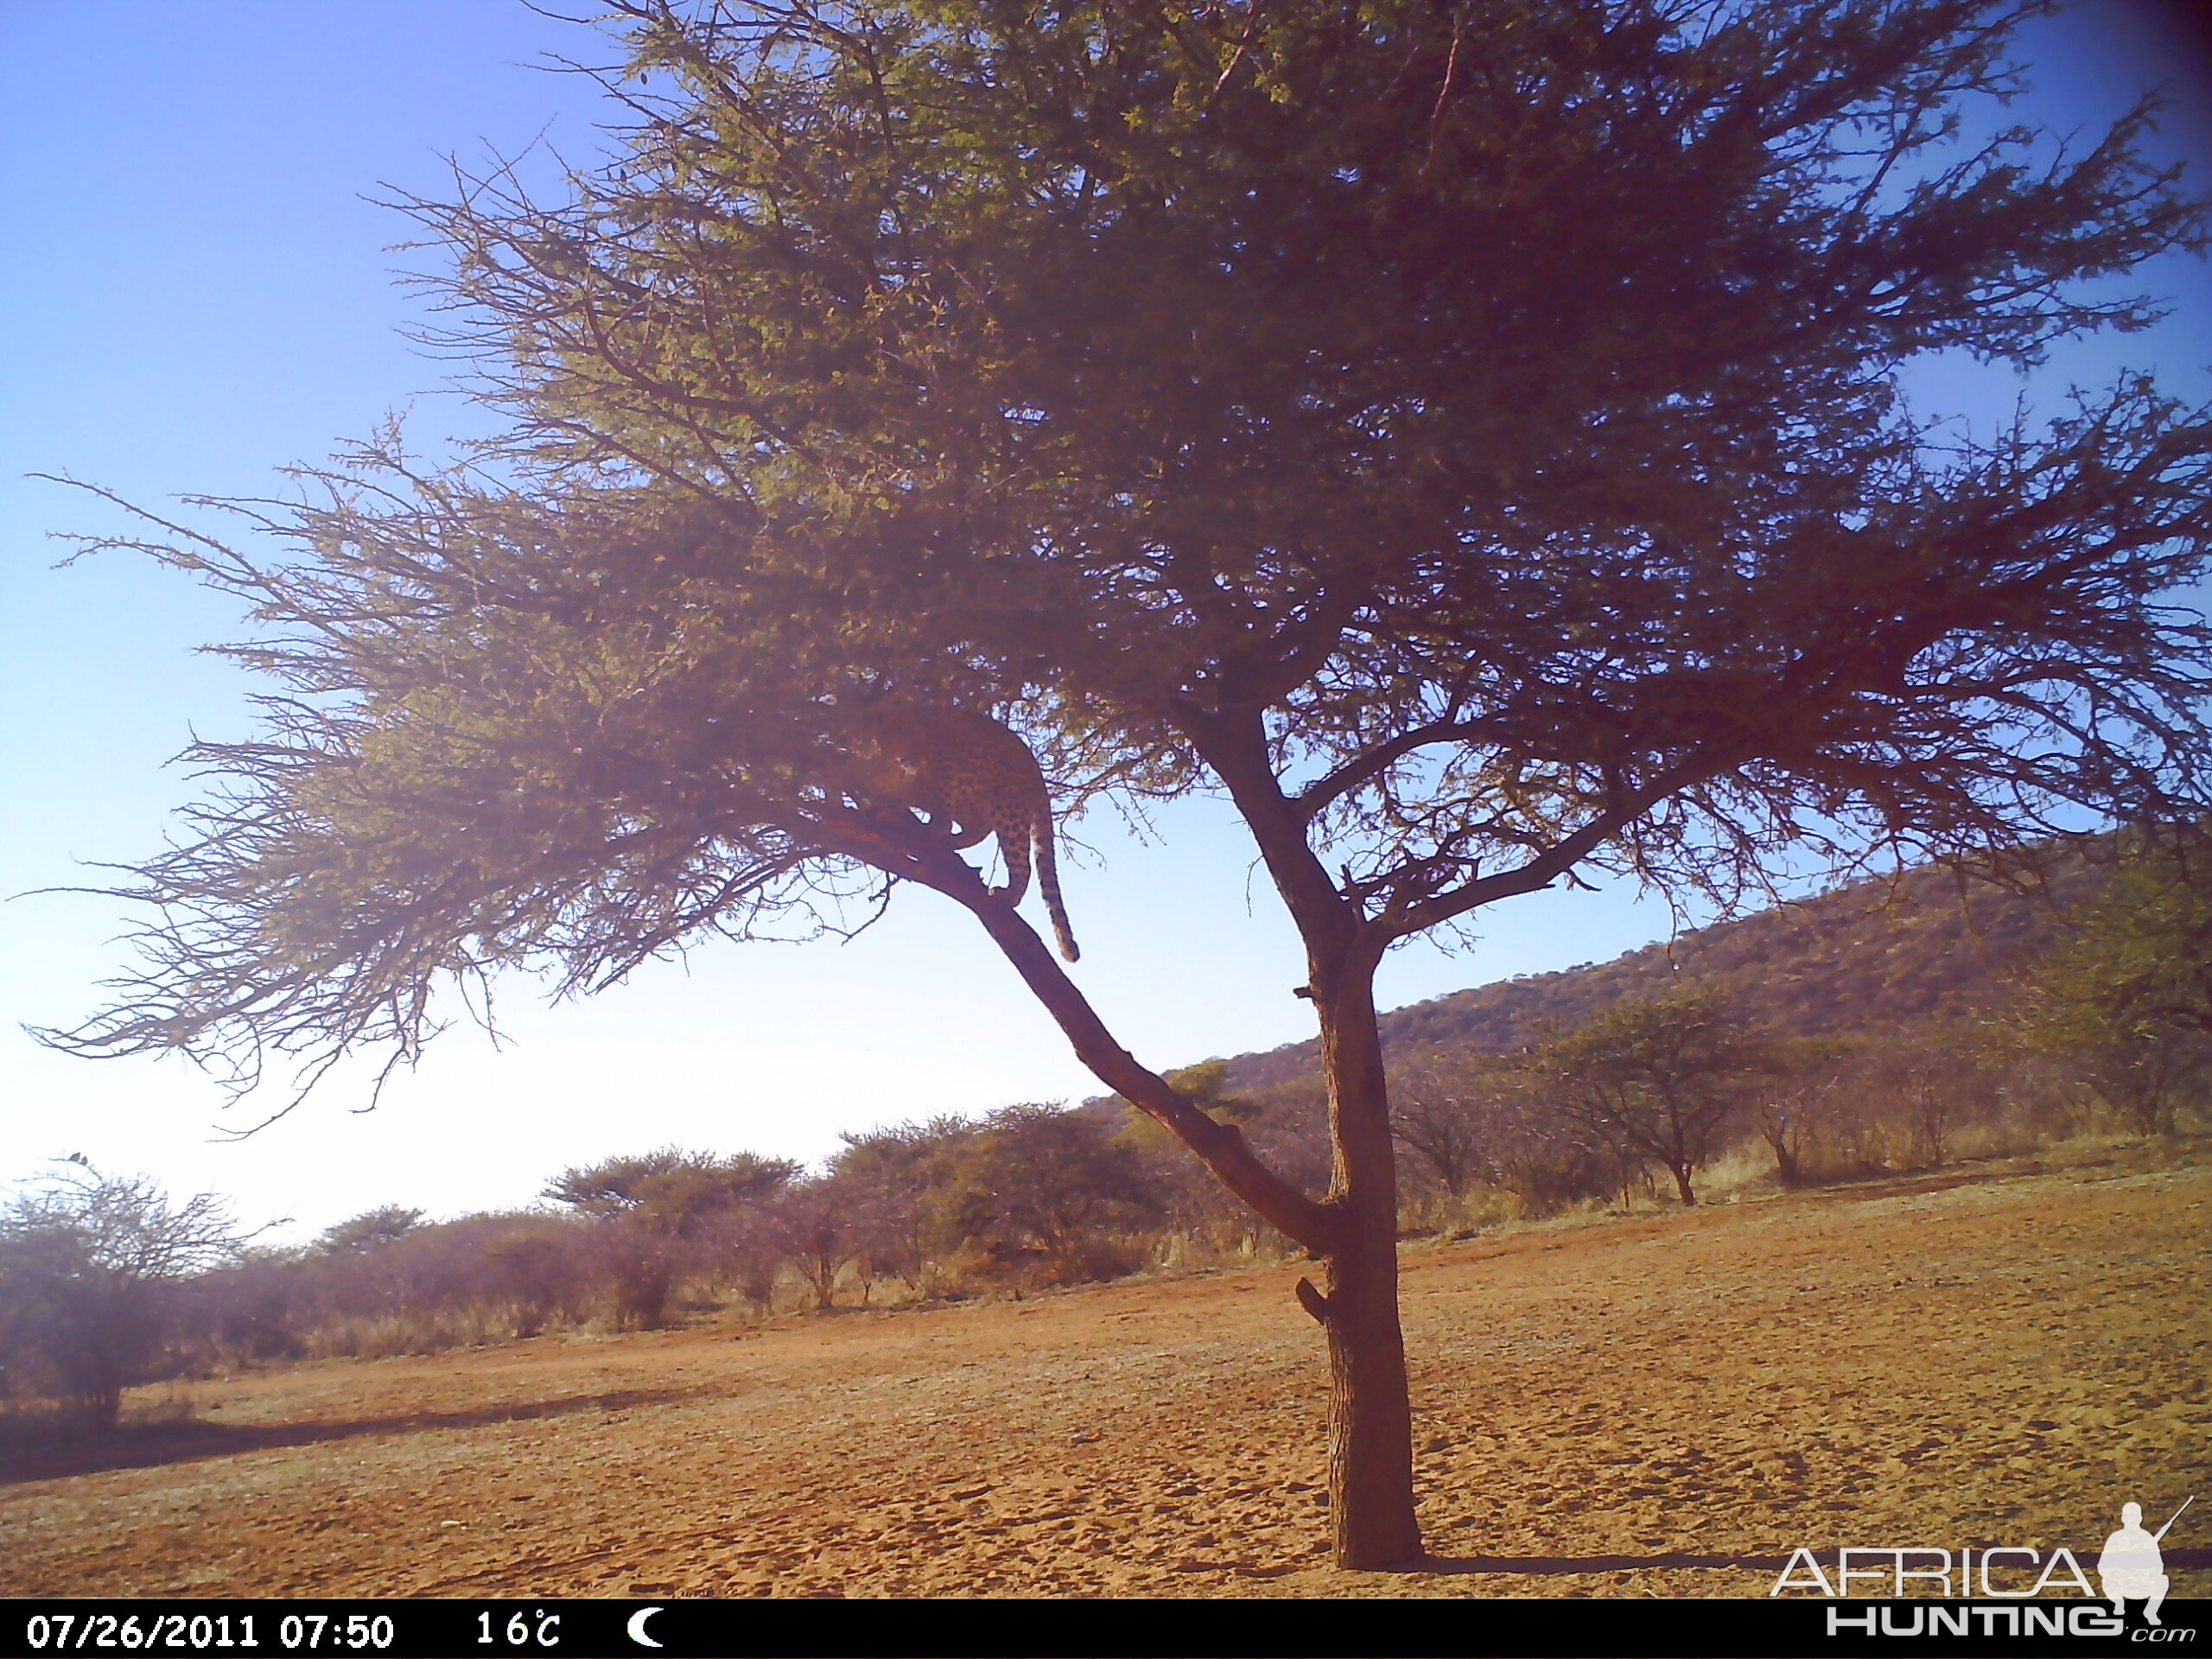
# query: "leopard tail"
(1048, 883)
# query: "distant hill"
(1928, 945)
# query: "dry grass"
(1998, 1354)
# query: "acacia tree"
(2127, 999)
(1809, 1074)
(1933, 1080)
(368, 1231)
(1040, 1181)
(1445, 1111)
(663, 1211)
(902, 1175)
(1660, 1078)
(1461, 436)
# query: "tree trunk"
(1787, 1169)
(1370, 1411)
(1681, 1172)
(1354, 1231)
(102, 1406)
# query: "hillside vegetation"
(1926, 947)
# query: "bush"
(1041, 1194)
(899, 1172)
(93, 1270)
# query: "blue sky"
(194, 291)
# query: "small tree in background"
(1794, 1108)
(2126, 1003)
(1463, 437)
(1445, 1112)
(680, 1193)
(1664, 1078)
(368, 1230)
(1199, 1212)
(660, 1210)
(258, 1309)
(1930, 1082)
(902, 1174)
(1040, 1184)
(821, 1226)
(92, 1267)
(542, 1266)
(2143, 948)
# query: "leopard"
(971, 776)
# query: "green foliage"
(1038, 1185)
(1664, 1078)
(2127, 999)
(670, 1190)
(1205, 1085)
(369, 1230)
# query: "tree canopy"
(369, 1230)
(670, 1189)
(1465, 437)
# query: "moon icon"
(637, 1627)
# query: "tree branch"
(1362, 767)
(1221, 1147)
(1548, 866)
(1234, 746)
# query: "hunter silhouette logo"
(2130, 1566)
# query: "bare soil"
(1995, 1354)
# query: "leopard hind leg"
(1014, 848)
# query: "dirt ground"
(1996, 1354)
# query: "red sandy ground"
(1990, 1355)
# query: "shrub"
(91, 1271)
